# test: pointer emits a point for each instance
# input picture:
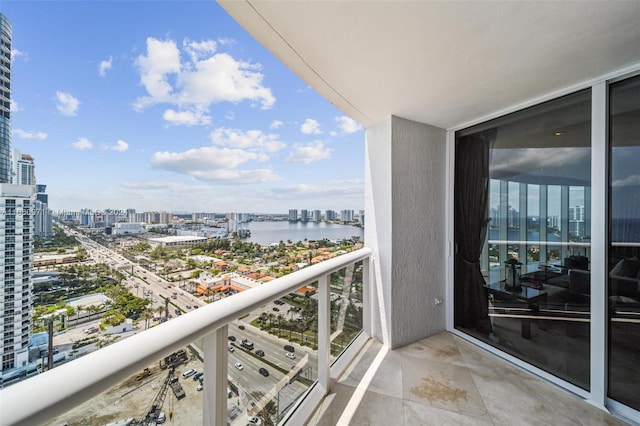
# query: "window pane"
(536, 246)
(624, 249)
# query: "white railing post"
(215, 378)
(324, 327)
(367, 296)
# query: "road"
(253, 386)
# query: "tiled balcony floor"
(445, 380)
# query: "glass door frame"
(599, 205)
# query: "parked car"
(231, 349)
(264, 372)
(239, 366)
(241, 327)
(197, 376)
(290, 355)
(92, 329)
(276, 309)
(200, 387)
(188, 373)
(260, 352)
(254, 421)
(232, 338)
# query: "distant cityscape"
(576, 220)
(200, 224)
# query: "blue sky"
(162, 105)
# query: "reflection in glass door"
(521, 276)
(624, 243)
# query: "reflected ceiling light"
(558, 134)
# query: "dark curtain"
(471, 197)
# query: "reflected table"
(531, 296)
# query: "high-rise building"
(5, 100)
(317, 215)
(16, 227)
(346, 216)
(42, 215)
(304, 215)
(23, 170)
(16, 241)
(293, 215)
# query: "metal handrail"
(58, 390)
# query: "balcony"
(304, 372)
(439, 379)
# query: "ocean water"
(274, 232)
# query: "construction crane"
(156, 406)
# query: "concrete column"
(405, 196)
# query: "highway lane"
(249, 379)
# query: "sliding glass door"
(624, 243)
(521, 205)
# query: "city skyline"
(171, 114)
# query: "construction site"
(158, 394)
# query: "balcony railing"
(56, 391)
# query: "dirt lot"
(133, 398)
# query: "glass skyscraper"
(5, 99)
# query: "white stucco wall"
(405, 175)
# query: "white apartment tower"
(16, 246)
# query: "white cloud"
(14, 106)
(314, 151)
(120, 146)
(348, 125)
(67, 103)
(82, 144)
(230, 115)
(205, 77)
(186, 118)
(163, 58)
(628, 181)
(199, 50)
(327, 190)
(213, 164)
(104, 66)
(29, 134)
(180, 187)
(225, 41)
(221, 78)
(275, 124)
(310, 127)
(250, 140)
(15, 54)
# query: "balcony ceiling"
(442, 63)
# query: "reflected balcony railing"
(270, 352)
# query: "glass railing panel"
(276, 342)
(165, 391)
(346, 307)
(273, 356)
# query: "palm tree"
(160, 310)
(146, 315)
(268, 413)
